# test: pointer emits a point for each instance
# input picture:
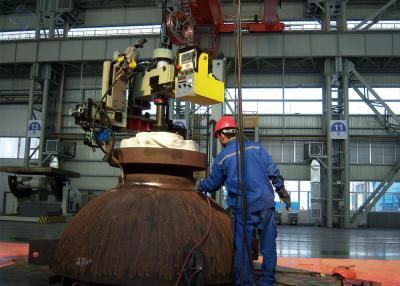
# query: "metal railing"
(155, 30)
(84, 32)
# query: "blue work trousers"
(264, 223)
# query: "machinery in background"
(210, 12)
(157, 83)
(101, 119)
(184, 77)
(129, 85)
(42, 191)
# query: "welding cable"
(104, 96)
(199, 243)
(240, 144)
(193, 275)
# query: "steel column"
(346, 145)
(33, 74)
(38, 21)
(374, 17)
(59, 103)
(327, 16)
(328, 116)
(52, 25)
(45, 100)
(66, 29)
(216, 113)
(343, 16)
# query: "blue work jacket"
(260, 171)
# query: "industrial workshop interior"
(200, 142)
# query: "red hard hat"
(223, 123)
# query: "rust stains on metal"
(140, 233)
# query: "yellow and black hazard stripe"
(51, 219)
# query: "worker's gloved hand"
(285, 197)
(197, 186)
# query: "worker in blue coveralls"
(260, 172)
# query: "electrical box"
(52, 146)
(193, 82)
(64, 5)
(313, 150)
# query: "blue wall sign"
(34, 128)
(339, 129)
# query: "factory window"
(391, 96)
(285, 151)
(300, 194)
(14, 148)
(316, 26)
(278, 100)
(307, 100)
(85, 32)
(360, 191)
(9, 147)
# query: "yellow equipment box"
(199, 87)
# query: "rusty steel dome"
(140, 232)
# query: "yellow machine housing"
(156, 79)
(198, 87)
(115, 100)
(161, 78)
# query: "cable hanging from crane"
(240, 143)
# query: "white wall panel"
(91, 49)
(71, 50)
(7, 52)
(14, 84)
(94, 94)
(69, 121)
(84, 153)
(49, 51)
(67, 108)
(374, 45)
(13, 120)
(116, 45)
(370, 173)
(292, 44)
(26, 52)
(92, 169)
(119, 16)
(396, 43)
(325, 43)
(295, 171)
(95, 184)
(72, 95)
(87, 82)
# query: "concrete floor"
(292, 241)
(314, 242)
(310, 249)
